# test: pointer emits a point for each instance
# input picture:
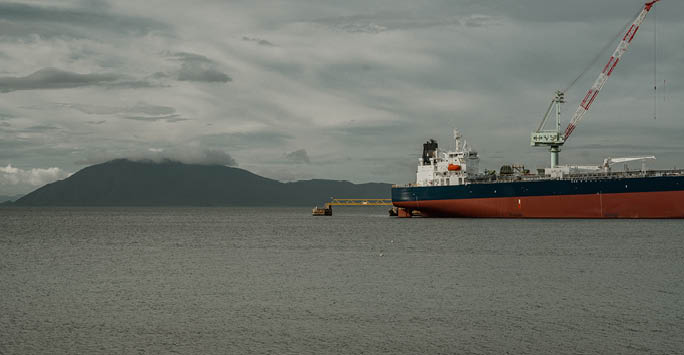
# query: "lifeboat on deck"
(454, 167)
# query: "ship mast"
(553, 138)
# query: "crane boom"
(608, 69)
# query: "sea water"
(280, 281)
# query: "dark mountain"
(144, 183)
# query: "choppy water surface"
(231, 280)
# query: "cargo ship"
(449, 183)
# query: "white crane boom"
(608, 69)
(611, 161)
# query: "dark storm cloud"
(24, 19)
(31, 129)
(191, 57)
(40, 128)
(196, 67)
(139, 108)
(297, 157)
(168, 118)
(259, 41)
(192, 72)
(52, 78)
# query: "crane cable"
(655, 64)
(599, 55)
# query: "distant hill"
(145, 183)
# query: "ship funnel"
(429, 150)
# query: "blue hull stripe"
(539, 188)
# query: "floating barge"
(326, 211)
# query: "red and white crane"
(553, 138)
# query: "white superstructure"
(447, 168)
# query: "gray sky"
(324, 89)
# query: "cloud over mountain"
(187, 155)
(298, 157)
(12, 178)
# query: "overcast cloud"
(325, 89)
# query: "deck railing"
(499, 179)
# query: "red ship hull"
(660, 204)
